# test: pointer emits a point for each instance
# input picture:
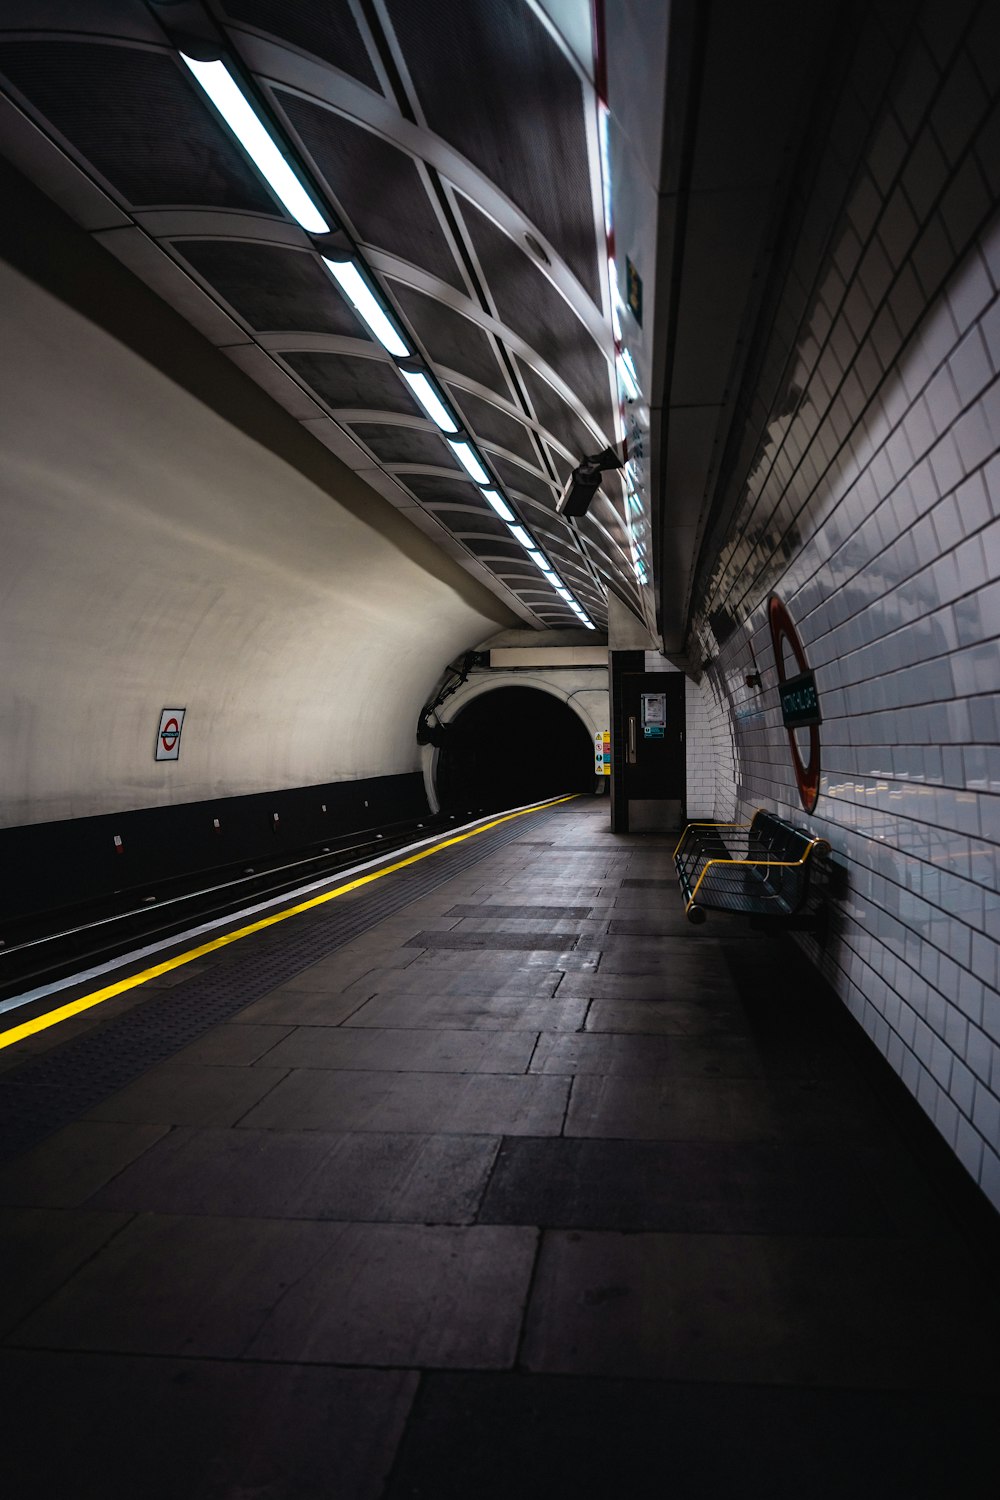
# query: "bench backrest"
(773, 838)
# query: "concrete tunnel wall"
(155, 555)
(871, 505)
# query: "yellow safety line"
(86, 1002)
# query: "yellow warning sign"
(602, 752)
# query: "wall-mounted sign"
(168, 736)
(602, 752)
(799, 701)
(782, 630)
(634, 291)
(654, 715)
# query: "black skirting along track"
(51, 1091)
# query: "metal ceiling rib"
(479, 209)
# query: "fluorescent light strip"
(604, 136)
(469, 459)
(365, 303)
(497, 502)
(520, 535)
(430, 400)
(627, 375)
(616, 322)
(255, 138)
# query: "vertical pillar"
(620, 662)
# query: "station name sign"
(799, 701)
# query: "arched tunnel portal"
(508, 746)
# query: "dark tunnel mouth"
(510, 746)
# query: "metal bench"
(766, 870)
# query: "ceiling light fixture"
(627, 376)
(365, 303)
(520, 535)
(429, 399)
(469, 459)
(215, 79)
(497, 502)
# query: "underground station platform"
(481, 1173)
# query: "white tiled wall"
(871, 504)
(711, 752)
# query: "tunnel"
(443, 448)
(511, 746)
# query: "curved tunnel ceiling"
(456, 144)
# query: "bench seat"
(765, 870)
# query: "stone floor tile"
(513, 1013)
(664, 1017)
(540, 1437)
(709, 1187)
(495, 965)
(287, 1006)
(425, 1103)
(758, 1309)
(412, 1051)
(175, 1285)
(309, 1174)
(189, 1094)
(65, 1170)
(40, 1248)
(537, 913)
(232, 1045)
(433, 980)
(201, 1429)
(657, 1109)
(421, 1295)
(658, 984)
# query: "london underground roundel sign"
(799, 701)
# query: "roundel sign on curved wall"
(799, 701)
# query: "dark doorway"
(650, 757)
(512, 746)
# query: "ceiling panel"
(556, 415)
(497, 114)
(328, 31)
(483, 523)
(430, 487)
(495, 426)
(344, 381)
(273, 287)
(517, 478)
(377, 185)
(394, 444)
(533, 309)
(451, 340)
(135, 117)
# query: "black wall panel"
(44, 866)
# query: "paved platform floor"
(529, 1190)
